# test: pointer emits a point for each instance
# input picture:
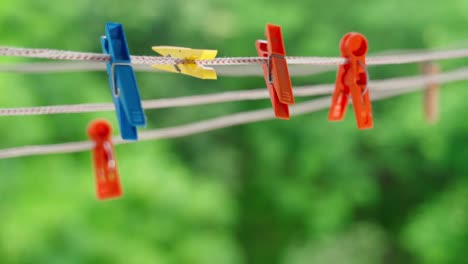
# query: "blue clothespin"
(124, 88)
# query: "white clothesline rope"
(189, 129)
(226, 70)
(193, 100)
(234, 96)
(150, 60)
(80, 66)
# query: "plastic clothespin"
(189, 66)
(431, 93)
(276, 72)
(105, 163)
(352, 79)
(122, 82)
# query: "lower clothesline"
(192, 128)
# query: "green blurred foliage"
(303, 191)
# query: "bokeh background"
(286, 192)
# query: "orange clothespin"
(105, 164)
(431, 93)
(352, 79)
(276, 71)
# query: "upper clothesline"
(419, 56)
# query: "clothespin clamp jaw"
(188, 65)
(122, 81)
(352, 80)
(276, 71)
(105, 163)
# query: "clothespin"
(188, 65)
(124, 88)
(276, 72)
(352, 78)
(431, 93)
(105, 163)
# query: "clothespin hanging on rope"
(124, 88)
(352, 79)
(105, 163)
(276, 72)
(188, 66)
(431, 93)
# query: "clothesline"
(233, 96)
(304, 60)
(95, 61)
(190, 129)
(80, 66)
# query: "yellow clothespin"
(189, 67)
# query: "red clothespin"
(276, 71)
(105, 163)
(352, 78)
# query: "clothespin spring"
(177, 68)
(367, 81)
(270, 74)
(114, 81)
(364, 67)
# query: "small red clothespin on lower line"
(276, 71)
(105, 163)
(352, 79)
